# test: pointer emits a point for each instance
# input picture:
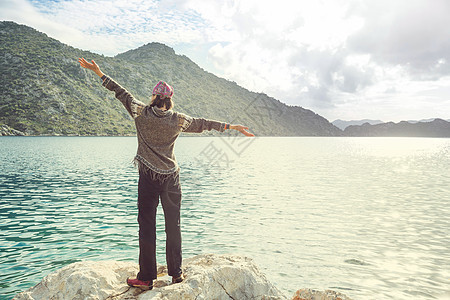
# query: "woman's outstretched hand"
(91, 66)
(241, 129)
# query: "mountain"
(45, 91)
(341, 124)
(424, 120)
(436, 128)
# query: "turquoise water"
(369, 217)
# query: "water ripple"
(364, 216)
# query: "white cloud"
(21, 11)
(333, 54)
(107, 26)
(414, 34)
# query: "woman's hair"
(160, 102)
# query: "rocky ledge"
(208, 276)
(5, 130)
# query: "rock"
(82, 280)
(207, 276)
(309, 294)
(5, 130)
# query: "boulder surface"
(310, 294)
(207, 276)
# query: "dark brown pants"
(149, 193)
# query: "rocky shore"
(5, 130)
(208, 276)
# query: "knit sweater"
(157, 131)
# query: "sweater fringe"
(161, 178)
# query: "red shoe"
(145, 285)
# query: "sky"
(387, 60)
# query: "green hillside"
(45, 91)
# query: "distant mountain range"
(341, 124)
(435, 128)
(424, 120)
(46, 92)
(411, 128)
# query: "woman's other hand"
(241, 129)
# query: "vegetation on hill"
(45, 91)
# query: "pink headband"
(163, 89)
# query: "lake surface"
(369, 217)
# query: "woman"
(157, 128)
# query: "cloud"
(332, 55)
(413, 34)
(108, 26)
(287, 53)
(21, 11)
